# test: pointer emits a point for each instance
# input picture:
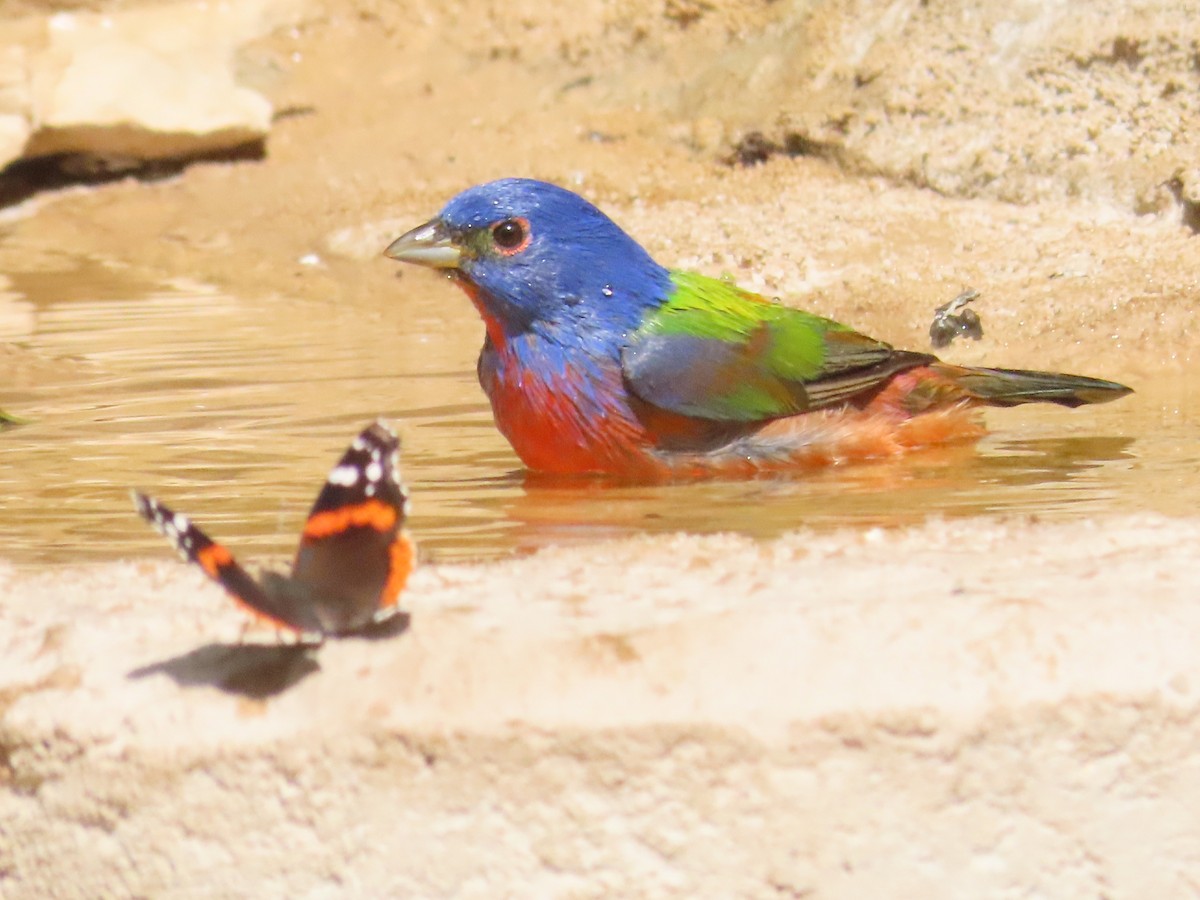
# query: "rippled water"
(233, 411)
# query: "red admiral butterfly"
(354, 555)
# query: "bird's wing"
(715, 351)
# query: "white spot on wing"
(344, 476)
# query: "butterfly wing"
(269, 606)
(355, 556)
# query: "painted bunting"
(599, 360)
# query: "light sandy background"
(989, 708)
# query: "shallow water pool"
(234, 410)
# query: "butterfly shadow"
(256, 671)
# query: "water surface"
(234, 410)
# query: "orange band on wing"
(370, 514)
(402, 553)
(213, 558)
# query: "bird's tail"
(1011, 387)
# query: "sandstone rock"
(1019, 102)
(959, 709)
(141, 84)
(15, 126)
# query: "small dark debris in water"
(949, 323)
(754, 147)
(22, 179)
(600, 137)
(295, 111)
(575, 83)
(8, 420)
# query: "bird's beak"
(426, 245)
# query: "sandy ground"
(993, 708)
(889, 713)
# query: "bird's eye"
(511, 236)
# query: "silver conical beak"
(426, 245)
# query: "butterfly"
(354, 555)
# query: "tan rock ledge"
(146, 83)
(961, 709)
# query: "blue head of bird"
(540, 259)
